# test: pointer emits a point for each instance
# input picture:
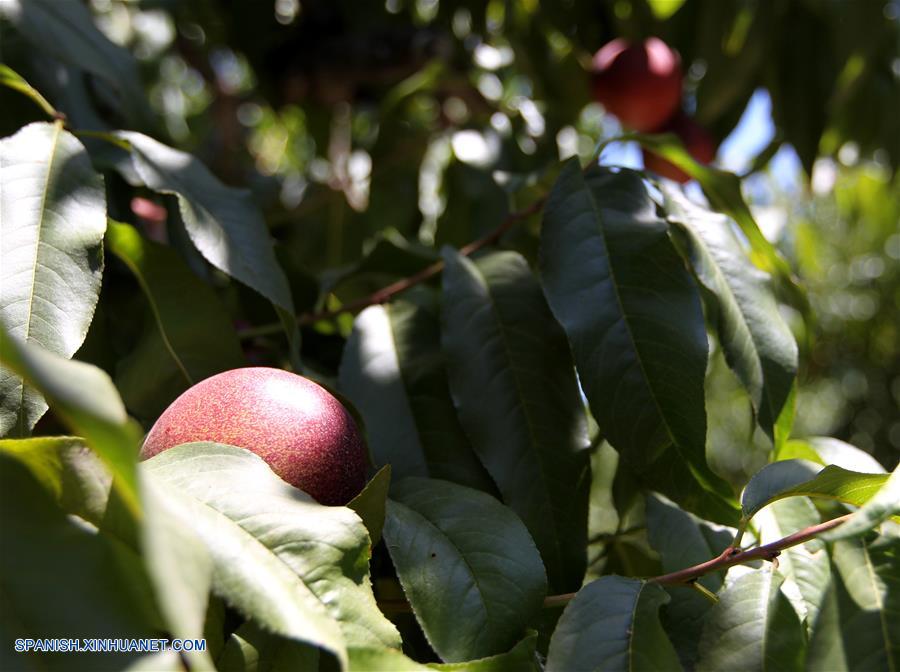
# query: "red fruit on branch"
(640, 83)
(696, 139)
(302, 431)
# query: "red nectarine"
(639, 83)
(302, 431)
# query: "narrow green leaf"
(758, 344)
(86, 399)
(66, 30)
(60, 579)
(632, 314)
(394, 372)
(467, 565)
(793, 478)
(881, 506)
(13, 80)
(53, 209)
(753, 627)
(370, 504)
(858, 627)
(613, 624)
(193, 337)
(284, 560)
(513, 382)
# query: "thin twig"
(734, 556)
(730, 556)
(387, 293)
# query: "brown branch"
(387, 293)
(734, 556)
(685, 577)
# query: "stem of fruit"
(730, 556)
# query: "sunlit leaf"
(297, 568)
(753, 627)
(882, 505)
(53, 210)
(805, 568)
(85, 398)
(394, 372)
(792, 478)
(223, 223)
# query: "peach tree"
(529, 339)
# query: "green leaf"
(826, 450)
(287, 562)
(177, 565)
(85, 398)
(364, 659)
(467, 565)
(882, 505)
(12, 79)
(223, 223)
(723, 190)
(805, 568)
(192, 338)
(521, 658)
(394, 372)
(632, 314)
(514, 385)
(61, 579)
(613, 624)
(792, 478)
(858, 627)
(53, 208)
(370, 504)
(683, 540)
(753, 627)
(758, 344)
(66, 30)
(252, 649)
(68, 470)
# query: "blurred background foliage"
(374, 132)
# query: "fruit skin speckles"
(639, 82)
(301, 430)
